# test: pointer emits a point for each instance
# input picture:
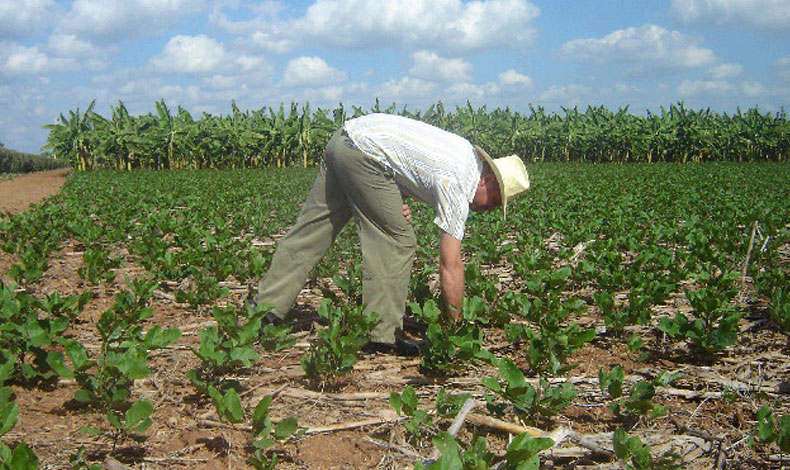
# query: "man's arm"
(451, 274)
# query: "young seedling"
(418, 422)
(265, 434)
(335, 351)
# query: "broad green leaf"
(138, 412)
(285, 428)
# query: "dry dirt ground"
(350, 425)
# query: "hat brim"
(494, 169)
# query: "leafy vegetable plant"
(265, 434)
(419, 422)
(106, 379)
(528, 402)
(450, 345)
(768, 431)
(26, 337)
(21, 456)
(335, 351)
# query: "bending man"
(369, 165)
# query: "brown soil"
(350, 424)
(17, 194)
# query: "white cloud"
(191, 55)
(311, 72)
(23, 18)
(753, 89)
(513, 78)
(782, 67)
(120, 20)
(400, 91)
(21, 60)
(429, 66)
(248, 63)
(692, 88)
(724, 71)
(447, 25)
(62, 53)
(753, 14)
(70, 46)
(649, 47)
(272, 43)
(470, 91)
(567, 95)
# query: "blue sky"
(57, 56)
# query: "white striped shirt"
(430, 164)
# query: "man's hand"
(451, 274)
(407, 212)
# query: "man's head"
(488, 196)
(502, 180)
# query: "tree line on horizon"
(295, 135)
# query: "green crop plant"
(231, 344)
(106, 377)
(21, 456)
(637, 456)
(98, 265)
(780, 308)
(26, 336)
(529, 402)
(448, 405)
(450, 345)
(715, 323)
(521, 454)
(206, 290)
(767, 431)
(334, 352)
(418, 422)
(265, 434)
(548, 348)
(639, 401)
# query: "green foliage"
(19, 162)
(448, 405)
(276, 137)
(611, 382)
(106, 378)
(637, 455)
(521, 454)
(230, 346)
(766, 431)
(78, 461)
(335, 350)
(549, 347)
(780, 309)
(528, 402)
(450, 345)
(227, 403)
(265, 434)
(26, 336)
(419, 422)
(639, 401)
(21, 456)
(98, 266)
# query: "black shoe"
(400, 347)
(272, 319)
(269, 319)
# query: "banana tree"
(72, 138)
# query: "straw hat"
(511, 175)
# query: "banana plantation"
(295, 135)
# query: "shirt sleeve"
(452, 209)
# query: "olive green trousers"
(348, 184)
